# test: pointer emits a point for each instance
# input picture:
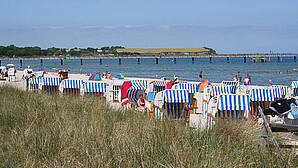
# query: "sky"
(228, 26)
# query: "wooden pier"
(254, 57)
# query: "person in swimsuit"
(141, 104)
(247, 80)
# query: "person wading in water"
(201, 76)
(239, 77)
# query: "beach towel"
(170, 84)
(124, 88)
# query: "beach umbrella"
(119, 76)
(202, 85)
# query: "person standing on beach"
(249, 77)
(235, 78)
(201, 76)
(239, 77)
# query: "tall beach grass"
(40, 130)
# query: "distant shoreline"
(113, 56)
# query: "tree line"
(14, 51)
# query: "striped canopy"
(176, 96)
(137, 86)
(191, 87)
(159, 83)
(295, 84)
(268, 94)
(95, 87)
(34, 81)
(144, 82)
(49, 81)
(279, 91)
(234, 102)
(134, 95)
(233, 83)
(221, 89)
(72, 84)
(262, 95)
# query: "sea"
(283, 72)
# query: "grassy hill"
(38, 130)
(165, 50)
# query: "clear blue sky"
(229, 26)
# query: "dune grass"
(38, 130)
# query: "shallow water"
(216, 71)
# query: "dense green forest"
(13, 51)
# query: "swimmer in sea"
(270, 82)
(201, 76)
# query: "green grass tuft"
(39, 130)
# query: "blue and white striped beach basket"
(50, 81)
(159, 83)
(175, 101)
(72, 84)
(221, 89)
(233, 102)
(143, 82)
(95, 87)
(294, 86)
(71, 87)
(33, 84)
(190, 87)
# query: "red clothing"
(170, 84)
(124, 88)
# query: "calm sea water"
(216, 71)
